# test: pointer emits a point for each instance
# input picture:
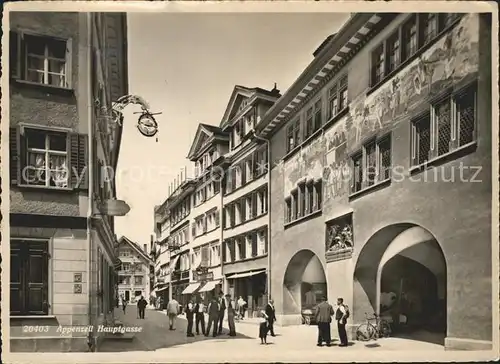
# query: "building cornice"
(355, 34)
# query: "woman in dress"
(230, 315)
(263, 327)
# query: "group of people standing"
(323, 315)
(216, 310)
(195, 315)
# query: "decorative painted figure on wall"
(453, 57)
(339, 238)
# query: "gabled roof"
(204, 134)
(136, 247)
(238, 95)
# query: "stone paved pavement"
(155, 333)
(292, 344)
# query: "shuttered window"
(29, 277)
(48, 159)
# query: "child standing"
(263, 327)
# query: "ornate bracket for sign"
(146, 124)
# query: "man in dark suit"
(213, 317)
(271, 316)
(190, 316)
(222, 310)
(199, 310)
(323, 316)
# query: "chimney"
(275, 89)
(145, 247)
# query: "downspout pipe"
(268, 143)
(90, 174)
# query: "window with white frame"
(40, 59)
(248, 207)
(249, 169)
(46, 156)
(241, 246)
(261, 242)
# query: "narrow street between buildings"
(155, 333)
(290, 341)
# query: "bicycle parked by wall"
(369, 331)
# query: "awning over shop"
(191, 288)
(209, 286)
(161, 289)
(246, 274)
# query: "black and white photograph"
(249, 181)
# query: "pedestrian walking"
(263, 327)
(271, 316)
(341, 316)
(241, 308)
(124, 304)
(231, 312)
(141, 305)
(213, 317)
(190, 317)
(222, 310)
(323, 316)
(200, 316)
(172, 312)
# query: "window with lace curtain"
(46, 159)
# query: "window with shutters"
(40, 59)
(449, 125)
(48, 158)
(29, 277)
(372, 164)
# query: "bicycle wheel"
(384, 329)
(307, 320)
(365, 332)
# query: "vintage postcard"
(249, 181)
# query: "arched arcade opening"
(304, 283)
(401, 275)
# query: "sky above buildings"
(186, 65)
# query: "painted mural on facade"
(454, 57)
(307, 163)
(336, 169)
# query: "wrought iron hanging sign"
(146, 124)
